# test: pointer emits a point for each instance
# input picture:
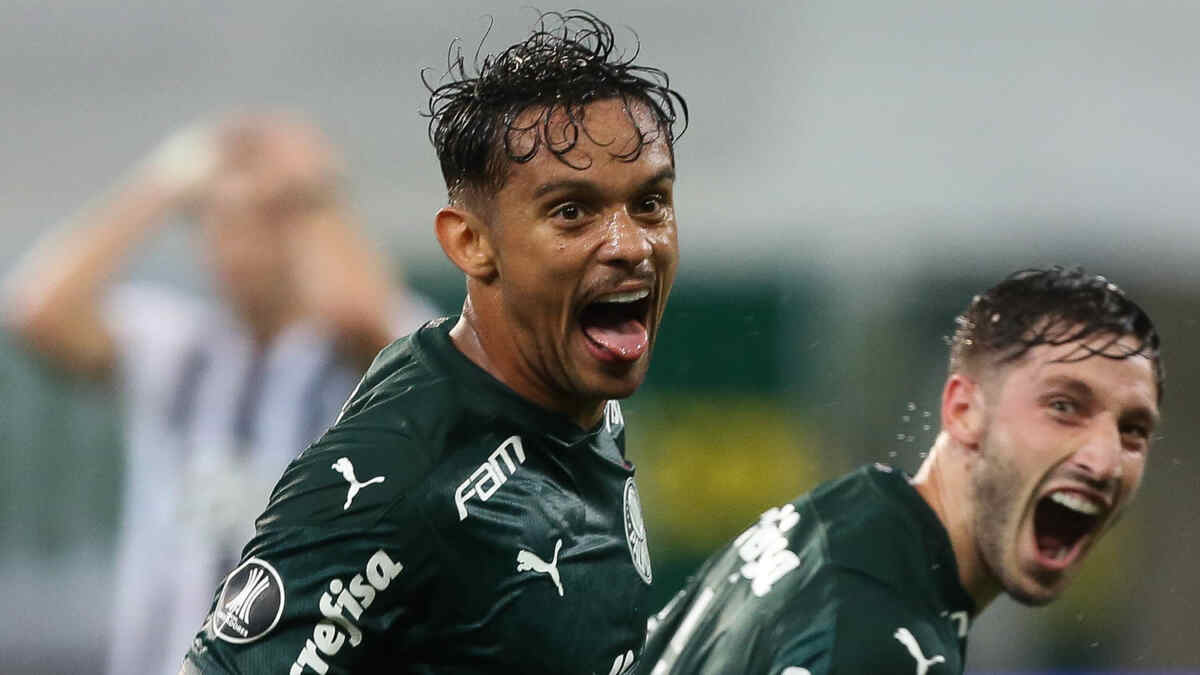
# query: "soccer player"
(1047, 414)
(473, 510)
(217, 396)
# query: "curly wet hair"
(569, 60)
(1052, 306)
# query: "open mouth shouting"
(615, 325)
(1065, 521)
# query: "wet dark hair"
(569, 61)
(1052, 306)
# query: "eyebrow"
(1084, 390)
(582, 185)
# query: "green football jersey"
(856, 577)
(443, 524)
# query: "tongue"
(1050, 544)
(625, 340)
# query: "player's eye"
(1138, 434)
(653, 206)
(1063, 406)
(569, 212)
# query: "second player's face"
(586, 252)
(1062, 455)
(247, 247)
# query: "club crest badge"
(251, 603)
(635, 532)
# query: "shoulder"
(861, 626)
(397, 425)
(867, 528)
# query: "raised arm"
(340, 280)
(53, 297)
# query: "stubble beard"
(995, 488)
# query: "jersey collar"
(490, 397)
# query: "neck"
(944, 483)
(265, 323)
(494, 350)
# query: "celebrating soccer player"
(1047, 414)
(472, 510)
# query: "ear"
(963, 410)
(466, 240)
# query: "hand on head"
(281, 150)
(278, 155)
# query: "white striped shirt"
(211, 422)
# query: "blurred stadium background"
(853, 173)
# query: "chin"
(1032, 593)
(603, 385)
(618, 390)
(1032, 599)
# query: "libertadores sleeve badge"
(251, 603)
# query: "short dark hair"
(569, 61)
(1052, 306)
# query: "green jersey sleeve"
(337, 562)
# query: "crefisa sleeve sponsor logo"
(251, 603)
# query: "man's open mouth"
(615, 325)
(1062, 523)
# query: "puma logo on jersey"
(528, 561)
(344, 467)
(906, 638)
(491, 475)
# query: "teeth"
(628, 296)
(1060, 554)
(1075, 503)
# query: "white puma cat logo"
(344, 467)
(527, 561)
(906, 638)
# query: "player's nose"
(626, 240)
(1099, 458)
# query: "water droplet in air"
(892, 453)
(904, 418)
(924, 455)
(912, 406)
(924, 427)
(910, 438)
(925, 413)
(899, 437)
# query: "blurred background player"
(1047, 414)
(218, 398)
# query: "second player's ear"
(466, 240)
(963, 410)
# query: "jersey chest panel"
(536, 572)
